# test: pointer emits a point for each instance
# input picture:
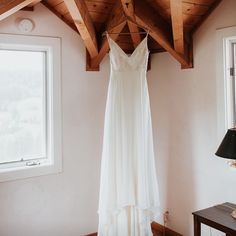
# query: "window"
(30, 106)
(22, 106)
(225, 74)
(230, 69)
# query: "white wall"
(63, 204)
(184, 114)
(184, 111)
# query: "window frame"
(229, 68)
(52, 164)
(226, 37)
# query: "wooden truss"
(137, 15)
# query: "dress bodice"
(120, 61)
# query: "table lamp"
(227, 149)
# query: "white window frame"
(225, 75)
(53, 163)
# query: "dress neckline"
(122, 51)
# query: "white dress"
(128, 189)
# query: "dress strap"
(107, 35)
(147, 33)
(109, 39)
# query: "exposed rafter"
(128, 7)
(61, 17)
(115, 24)
(105, 47)
(160, 31)
(8, 8)
(135, 37)
(205, 16)
(171, 23)
(177, 25)
(34, 3)
(84, 24)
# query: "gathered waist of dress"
(130, 69)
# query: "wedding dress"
(129, 196)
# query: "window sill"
(23, 172)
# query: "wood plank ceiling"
(171, 23)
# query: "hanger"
(125, 33)
(129, 33)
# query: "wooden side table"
(218, 217)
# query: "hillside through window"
(22, 105)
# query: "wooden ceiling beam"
(9, 8)
(30, 7)
(27, 8)
(34, 3)
(82, 19)
(105, 47)
(205, 16)
(128, 7)
(115, 25)
(61, 17)
(136, 38)
(177, 25)
(160, 32)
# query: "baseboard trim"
(159, 230)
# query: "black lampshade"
(227, 148)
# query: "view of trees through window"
(22, 105)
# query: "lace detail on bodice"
(120, 61)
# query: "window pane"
(22, 105)
(234, 84)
